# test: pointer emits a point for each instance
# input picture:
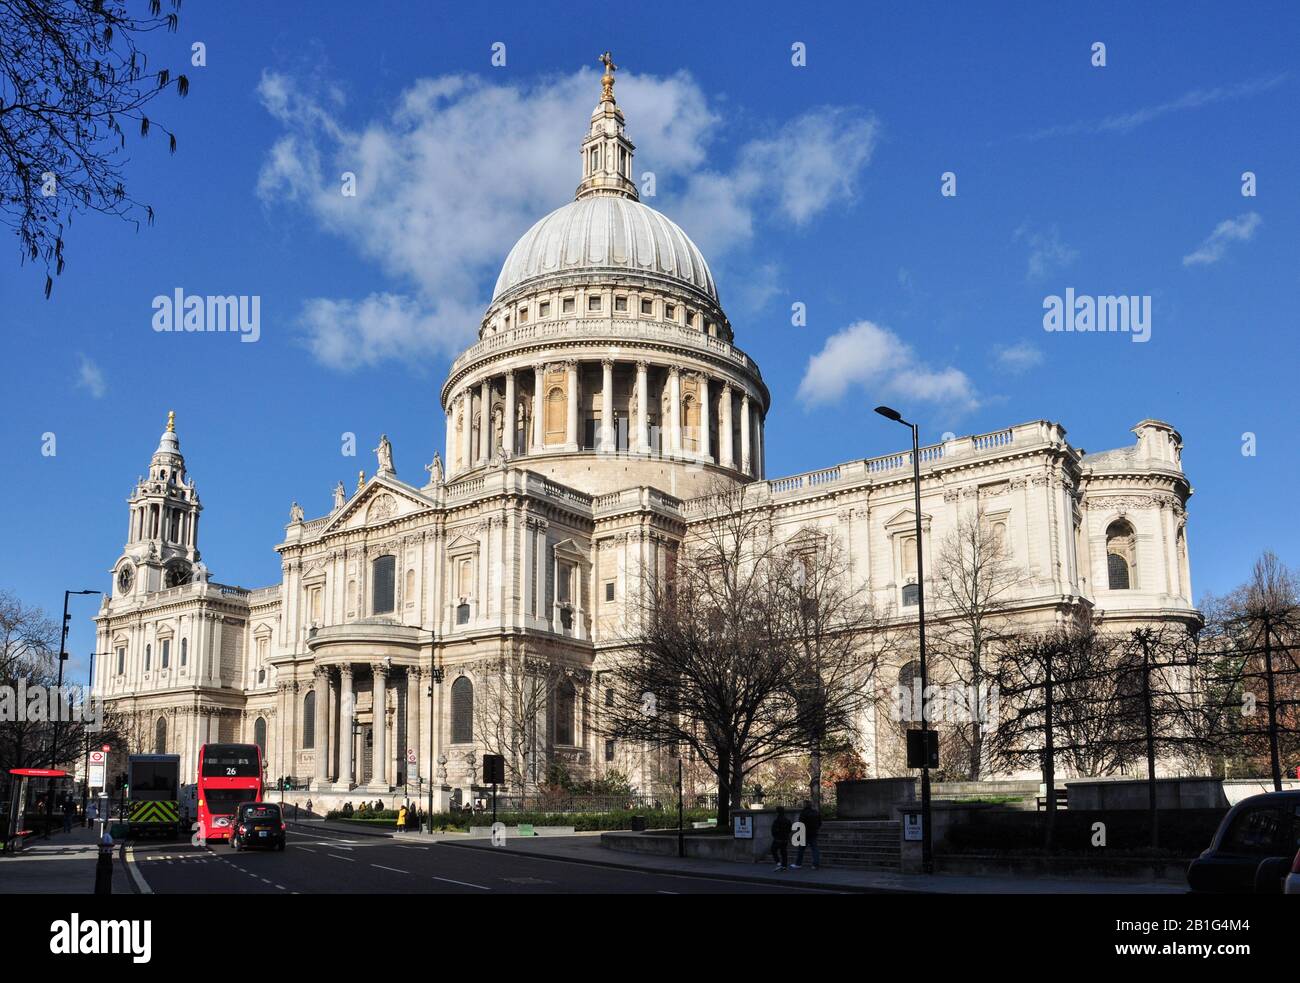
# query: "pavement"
(63, 864)
(585, 848)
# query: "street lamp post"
(927, 842)
(58, 716)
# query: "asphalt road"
(334, 863)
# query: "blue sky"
(818, 185)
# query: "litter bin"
(638, 824)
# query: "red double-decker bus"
(228, 775)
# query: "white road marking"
(667, 892)
(463, 883)
(393, 869)
(337, 857)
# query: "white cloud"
(1019, 358)
(874, 358)
(1047, 253)
(1193, 99)
(461, 167)
(90, 377)
(1239, 229)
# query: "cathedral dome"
(606, 234)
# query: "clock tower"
(162, 546)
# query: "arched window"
(160, 736)
(409, 596)
(309, 720)
(566, 699)
(185, 651)
(690, 423)
(148, 657)
(383, 571)
(1121, 556)
(462, 711)
(259, 735)
(557, 416)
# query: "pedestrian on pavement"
(309, 807)
(69, 813)
(811, 818)
(401, 820)
(781, 827)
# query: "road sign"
(98, 769)
(923, 749)
(494, 769)
(912, 826)
(410, 755)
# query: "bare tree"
(974, 583)
(514, 698)
(72, 78)
(716, 663)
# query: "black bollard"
(104, 866)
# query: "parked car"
(257, 824)
(1252, 849)
(1292, 885)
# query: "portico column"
(467, 428)
(508, 421)
(320, 726)
(760, 466)
(379, 727)
(485, 422)
(347, 713)
(607, 435)
(675, 410)
(642, 409)
(703, 443)
(726, 456)
(571, 428)
(744, 433)
(538, 433)
(414, 676)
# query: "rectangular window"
(670, 312)
(620, 303)
(121, 661)
(647, 306)
(544, 309)
(166, 652)
(609, 750)
(609, 590)
(383, 574)
(564, 583)
(464, 578)
(593, 303)
(568, 305)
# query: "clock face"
(125, 578)
(178, 574)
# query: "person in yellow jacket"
(401, 820)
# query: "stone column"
(485, 422)
(539, 434)
(508, 421)
(703, 443)
(744, 434)
(760, 467)
(675, 410)
(608, 438)
(379, 727)
(642, 409)
(571, 428)
(467, 428)
(726, 455)
(449, 448)
(347, 713)
(320, 725)
(414, 700)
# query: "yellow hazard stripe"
(155, 812)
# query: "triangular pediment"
(382, 500)
(906, 519)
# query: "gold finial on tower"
(171, 421)
(607, 80)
